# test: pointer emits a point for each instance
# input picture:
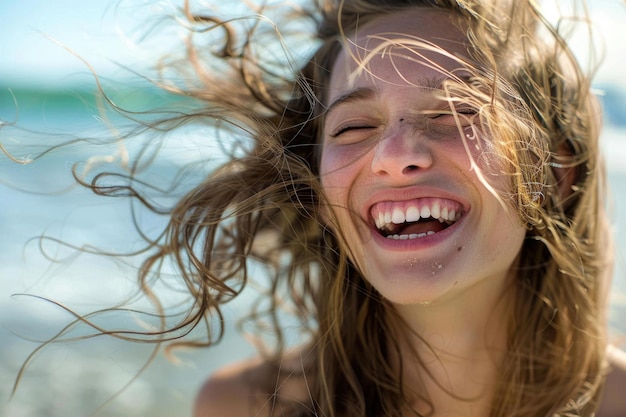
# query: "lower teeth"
(411, 236)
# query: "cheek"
(333, 183)
(491, 167)
(338, 170)
(328, 175)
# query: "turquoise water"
(41, 198)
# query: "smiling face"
(401, 163)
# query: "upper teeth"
(413, 213)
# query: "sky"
(105, 30)
(36, 33)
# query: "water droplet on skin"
(410, 263)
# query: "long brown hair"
(263, 205)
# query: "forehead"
(416, 46)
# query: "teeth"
(435, 210)
(398, 216)
(412, 214)
(411, 236)
(385, 219)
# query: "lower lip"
(419, 243)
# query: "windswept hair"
(265, 204)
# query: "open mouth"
(415, 219)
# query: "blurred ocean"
(74, 379)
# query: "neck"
(461, 341)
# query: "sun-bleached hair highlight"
(537, 126)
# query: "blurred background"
(46, 85)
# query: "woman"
(439, 204)
(426, 196)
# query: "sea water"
(41, 199)
(40, 207)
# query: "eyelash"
(466, 112)
(347, 128)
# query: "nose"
(401, 155)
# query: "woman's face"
(397, 167)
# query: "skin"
(390, 143)
(402, 147)
(387, 142)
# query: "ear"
(564, 170)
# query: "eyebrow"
(358, 94)
(365, 93)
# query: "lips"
(414, 219)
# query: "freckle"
(459, 249)
(402, 120)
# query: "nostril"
(411, 168)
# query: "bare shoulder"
(252, 388)
(226, 393)
(614, 398)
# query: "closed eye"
(466, 112)
(465, 116)
(348, 128)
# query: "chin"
(417, 288)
